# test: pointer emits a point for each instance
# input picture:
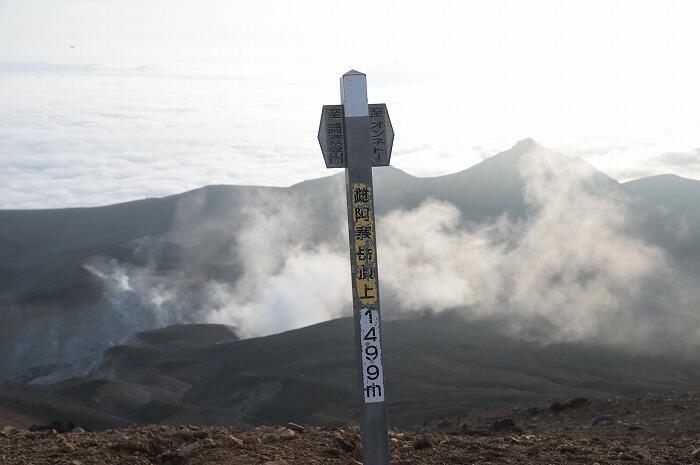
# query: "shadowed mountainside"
(437, 367)
(670, 191)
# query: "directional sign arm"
(381, 134)
(331, 136)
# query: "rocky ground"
(652, 429)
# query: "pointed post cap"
(353, 94)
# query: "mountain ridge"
(50, 287)
(518, 148)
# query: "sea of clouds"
(88, 135)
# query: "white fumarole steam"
(571, 270)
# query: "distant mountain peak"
(525, 144)
(512, 156)
(660, 177)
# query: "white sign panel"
(372, 369)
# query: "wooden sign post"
(357, 136)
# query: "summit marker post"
(357, 136)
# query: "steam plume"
(573, 268)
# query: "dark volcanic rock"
(604, 420)
(505, 424)
(558, 407)
(422, 443)
(58, 426)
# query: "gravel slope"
(652, 429)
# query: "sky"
(108, 101)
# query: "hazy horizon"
(328, 173)
(105, 102)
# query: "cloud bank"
(88, 135)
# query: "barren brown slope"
(663, 430)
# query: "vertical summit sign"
(357, 136)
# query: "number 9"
(371, 352)
(372, 372)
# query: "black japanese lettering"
(366, 292)
(376, 112)
(361, 194)
(365, 272)
(365, 253)
(361, 213)
(363, 232)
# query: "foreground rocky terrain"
(650, 429)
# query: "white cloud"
(189, 93)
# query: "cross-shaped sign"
(357, 136)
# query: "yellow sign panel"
(365, 253)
